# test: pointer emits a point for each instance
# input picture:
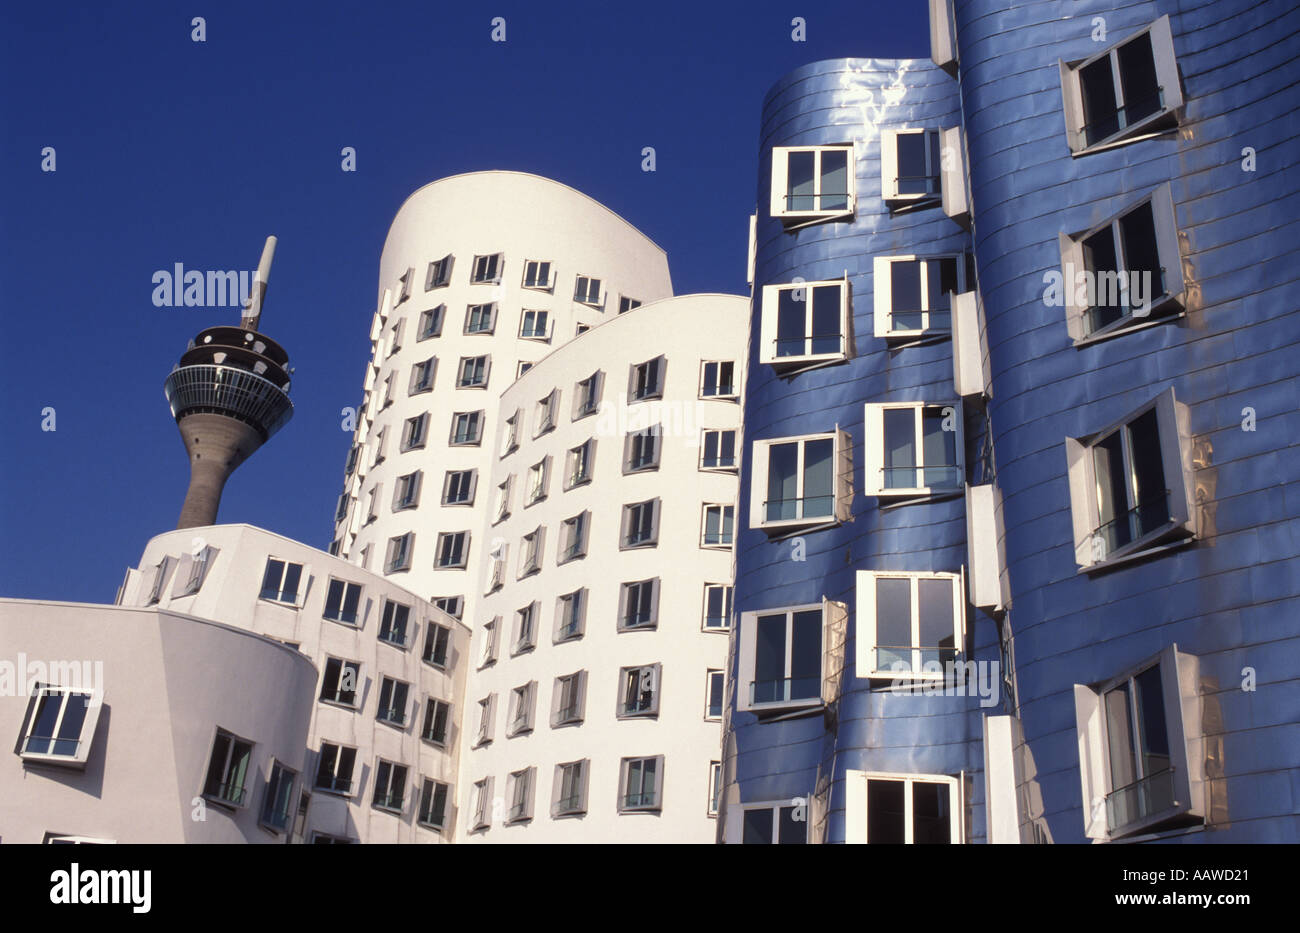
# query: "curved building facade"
(595, 706)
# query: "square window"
(472, 372)
(438, 273)
(801, 482)
(806, 324)
(459, 486)
(422, 376)
(392, 702)
(718, 526)
(570, 789)
(538, 274)
(910, 167)
(390, 786)
(400, 549)
(578, 469)
(586, 290)
(437, 640)
(466, 428)
(59, 725)
(717, 606)
(573, 538)
(406, 495)
(570, 615)
(714, 684)
(453, 550)
(334, 768)
(640, 524)
(342, 601)
(280, 581)
(639, 691)
(639, 605)
(228, 770)
(718, 379)
(433, 804)
(914, 294)
(910, 625)
(914, 449)
(535, 325)
(773, 824)
(430, 323)
(340, 682)
(790, 658)
(393, 626)
(641, 450)
(454, 606)
(646, 380)
(812, 183)
(414, 431)
(586, 396)
(481, 318)
(487, 269)
(718, 450)
(640, 784)
(902, 809)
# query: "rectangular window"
(546, 408)
(805, 324)
(521, 795)
(570, 789)
(502, 509)
(454, 606)
(641, 524)
(481, 318)
(59, 725)
(414, 431)
(578, 469)
(639, 605)
(453, 550)
(466, 428)
(491, 629)
(393, 625)
(341, 508)
(718, 380)
(641, 449)
(280, 581)
(524, 366)
(422, 376)
(626, 304)
(487, 269)
(392, 701)
(586, 396)
(790, 658)
(715, 787)
(459, 486)
(510, 434)
(530, 552)
(573, 538)
(523, 700)
(714, 684)
(1129, 91)
(395, 342)
(193, 570)
(379, 447)
(406, 495)
(640, 783)
(340, 682)
(334, 768)
(437, 639)
(342, 601)
(569, 694)
(537, 274)
(570, 615)
(639, 691)
(482, 804)
(430, 324)
(535, 325)
(525, 629)
(438, 274)
(910, 166)
(773, 825)
(228, 769)
(538, 474)
(350, 466)
(646, 380)
(587, 291)
(717, 606)
(902, 809)
(910, 625)
(277, 803)
(812, 183)
(486, 706)
(718, 450)
(433, 804)
(718, 526)
(499, 554)
(801, 481)
(390, 786)
(399, 553)
(472, 373)
(914, 449)
(913, 294)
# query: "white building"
(593, 712)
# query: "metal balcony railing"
(1133, 802)
(226, 390)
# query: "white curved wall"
(685, 330)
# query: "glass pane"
(905, 295)
(818, 478)
(826, 337)
(1137, 79)
(934, 604)
(885, 813)
(782, 482)
(800, 179)
(271, 579)
(1112, 492)
(893, 624)
(913, 176)
(1138, 234)
(941, 281)
(940, 449)
(1152, 500)
(1119, 737)
(291, 577)
(900, 448)
(806, 655)
(758, 827)
(1100, 116)
(1153, 743)
(791, 831)
(769, 659)
(791, 319)
(835, 180)
(931, 813)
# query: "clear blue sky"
(172, 151)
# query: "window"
(714, 682)
(568, 699)
(1128, 92)
(521, 795)
(587, 291)
(646, 380)
(898, 809)
(510, 434)
(437, 714)
(59, 725)
(801, 482)
(718, 450)
(537, 476)
(280, 581)
(639, 605)
(437, 639)
(812, 183)
(193, 570)
(715, 787)
(640, 524)
(537, 274)
(805, 324)
(1138, 733)
(466, 428)
(325, 839)
(524, 366)
(913, 294)
(773, 825)
(502, 510)
(570, 615)
(406, 494)
(487, 269)
(718, 380)
(459, 486)
(340, 682)
(482, 804)
(640, 783)
(481, 319)
(573, 538)
(351, 465)
(523, 700)
(379, 447)
(454, 606)
(433, 804)
(395, 342)
(578, 469)
(626, 304)
(334, 769)
(717, 606)
(392, 701)
(430, 324)
(278, 800)
(535, 325)
(453, 550)
(228, 769)
(422, 376)
(790, 658)
(388, 390)
(914, 449)
(525, 629)
(910, 166)
(335, 547)
(372, 503)
(390, 786)
(546, 408)
(641, 450)
(438, 274)
(718, 525)
(581, 329)
(586, 395)
(485, 709)
(393, 625)
(473, 372)
(399, 553)
(500, 553)
(341, 601)
(1125, 273)
(570, 789)
(413, 433)
(909, 624)
(341, 508)
(1130, 484)
(639, 691)
(530, 552)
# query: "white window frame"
(652, 539)
(547, 408)
(358, 614)
(889, 177)
(533, 315)
(841, 483)
(715, 788)
(395, 785)
(717, 384)
(634, 439)
(438, 563)
(797, 362)
(531, 547)
(728, 606)
(523, 709)
(572, 478)
(574, 532)
(478, 310)
(400, 554)
(779, 206)
(461, 369)
(624, 598)
(710, 676)
(432, 706)
(85, 735)
(486, 720)
(638, 374)
(510, 433)
(430, 369)
(502, 510)
(874, 434)
(388, 625)
(436, 635)
(430, 322)
(649, 679)
(624, 773)
(883, 312)
(867, 640)
(834, 616)
(438, 273)
(468, 498)
(482, 805)
(536, 266)
(857, 818)
(576, 803)
(626, 304)
(491, 634)
(493, 265)
(335, 776)
(584, 296)
(527, 619)
(539, 475)
(304, 580)
(415, 432)
(385, 715)
(591, 396)
(726, 539)
(719, 467)
(428, 796)
(522, 785)
(241, 801)
(335, 687)
(409, 484)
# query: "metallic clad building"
(1118, 493)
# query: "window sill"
(339, 704)
(1151, 319)
(1164, 123)
(434, 742)
(1151, 545)
(637, 546)
(431, 827)
(444, 567)
(720, 397)
(896, 498)
(342, 794)
(793, 365)
(399, 726)
(434, 664)
(643, 627)
(60, 761)
(384, 808)
(795, 220)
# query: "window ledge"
(339, 704)
(902, 340)
(793, 366)
(894, 500)
(1149, 128)
(1152, 319)
(1151, 549)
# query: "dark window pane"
(782, 482)
(1100, 117)
(835, 180)
(806, 655)
(1137, 230)
(885, 812)
(791, 320)
(800, 178)
(893, 624)
(1112, 492)
(826, 336)
(900, 448)
(818, 479)
(769, 659)
(792, 831)
(931, 813)
(905, 294)
(758, 827)
(913, 176)
(1137, 78)
(1152, 506)
(934, 603)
